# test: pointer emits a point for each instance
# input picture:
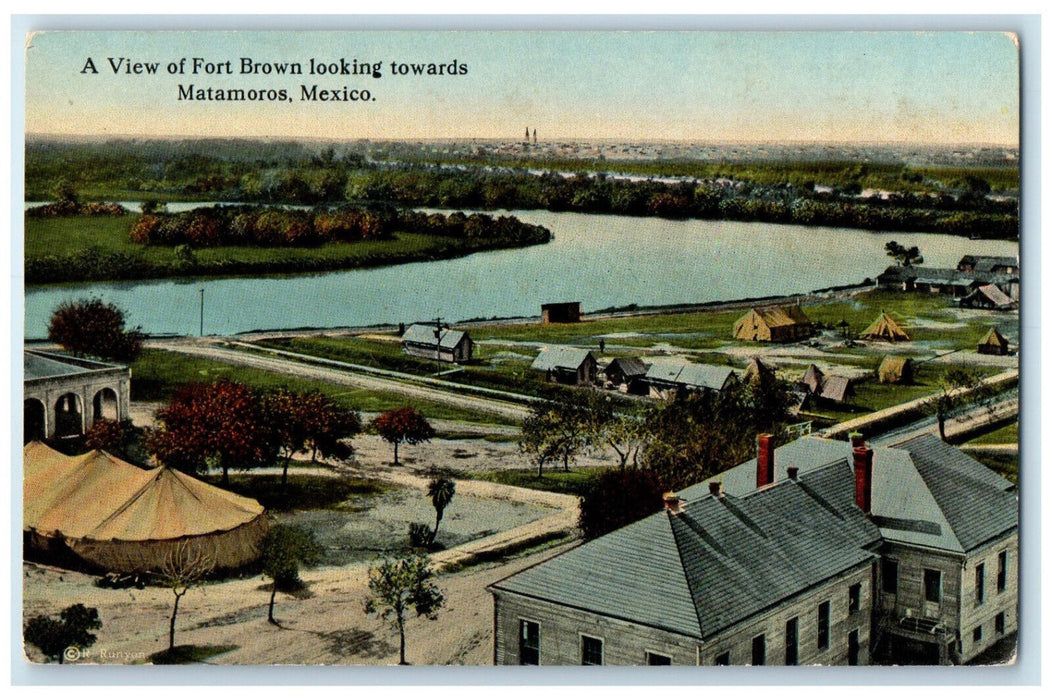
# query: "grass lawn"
(577, 481)
(303, 491)
(70, 237)
(157, 373)
(1005, 435)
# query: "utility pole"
(438, 337)
(201, 330)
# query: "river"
(601, 261)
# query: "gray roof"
(560, 358)
(724, 559)
(424, 334)
(629, 366)
(689, 374)
(43, 365)
(718, 562)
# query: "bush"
(419, 534)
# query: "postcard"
(521, 348)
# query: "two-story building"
(818, 552)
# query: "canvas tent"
(895, 370)
(118, 517)
(993, 343)
(885, 328)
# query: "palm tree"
(441, 491)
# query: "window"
(980, 581)
(854, 598)
(529, 643)
(791, 656)
(852, 648)
(999, 623)
(658, 659)
(591, 651)
(724, 659)
(932, 585)
(889, 576)
(823, 625)
(1002, 571)
(759, 651)
(977, 634)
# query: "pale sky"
(921, 87)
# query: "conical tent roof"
(123, 518)
(885, 328)
(993, 337)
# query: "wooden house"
(773, 324)
(561, 312)
(627, 374)
(572, 366)
(435, 342)
(823, 388)
(665, 378)
(993, 343)
(815, 553)
(988, 296)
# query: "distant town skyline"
(924, 88)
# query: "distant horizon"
(810, 87)
(510, 139)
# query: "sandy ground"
(326, 626)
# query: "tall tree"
(220, 424)
(902, 255)
(70, 634)
(618, 498)
(93, 327)
(441, 491)
(558, 427)
(400, 587)
(957, 389)
(402, 425)
(286, 548)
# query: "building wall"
(627, 643)
(910, 597)
(84, 386)
(975, 615)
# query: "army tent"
(895, 370)
(118, 517)
(885, 328)
(993, 343)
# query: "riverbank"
(73, 249)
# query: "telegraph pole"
(201, 330)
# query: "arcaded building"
(64, 395)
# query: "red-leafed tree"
(220, 424)
(400, 425)
(308, 421)
(93, 327)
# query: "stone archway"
(34, 420)
(104, 405)
(69, 416)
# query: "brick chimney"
(856, 440)
(764, 460)
(793, 472)
(716, 488)
(864, 478)
(673, 503)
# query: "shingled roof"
(721, 559)
(424, 334)
(560, 358)
(689, 374)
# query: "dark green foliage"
(402, 586)
(419, 534)
(72, 629)
(285, 549)
(618, 498)
(902, 255)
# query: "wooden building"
(436, 342)
(822, 388)
(561, 312)
(819, 552)
(773, 324)
(665, 378)
(627, 374)
(572, 366)
(988, 296)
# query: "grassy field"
(157, 373)
(1006, 435)
(69, 238)
(576, 482)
